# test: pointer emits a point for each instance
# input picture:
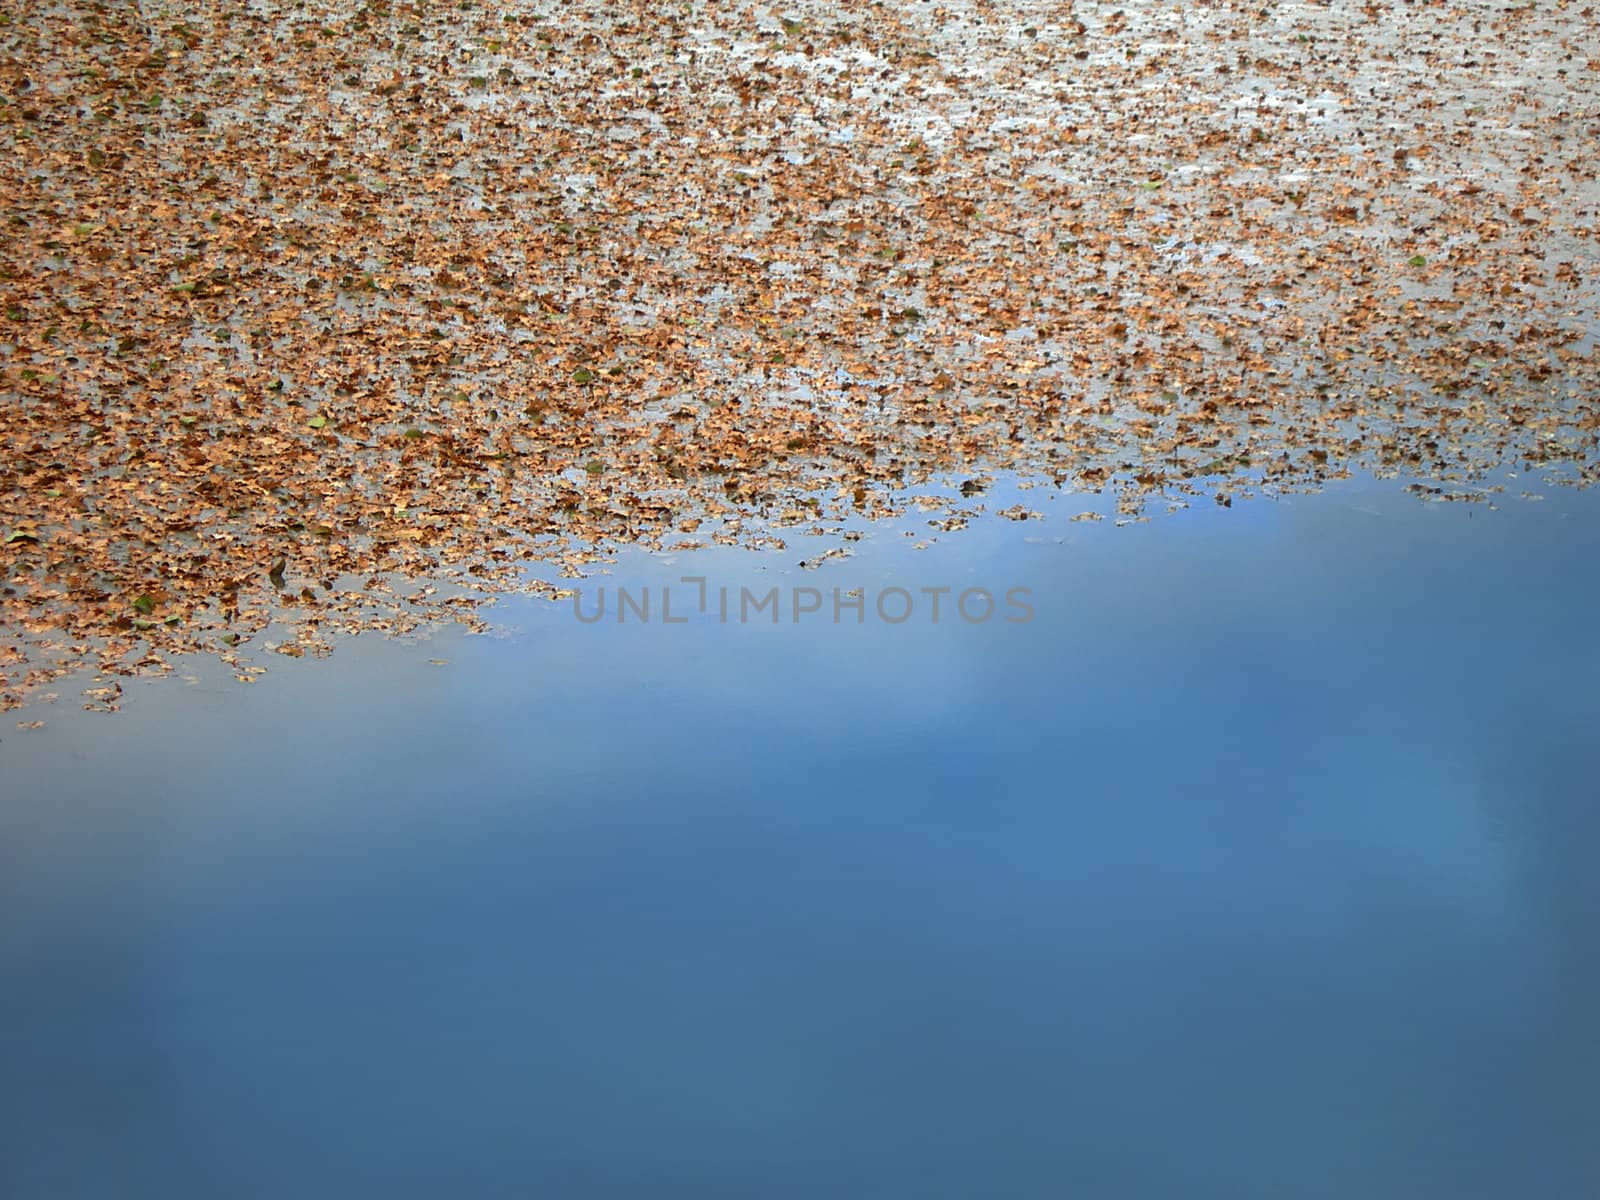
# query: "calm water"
(1261, 863)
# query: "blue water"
(1260, 863)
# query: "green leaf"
(1417, 260)
(145, 604)
(21, 535)
(583, 375)
(318, 422)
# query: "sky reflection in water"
(1260, 863)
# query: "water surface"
(1258, 864)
